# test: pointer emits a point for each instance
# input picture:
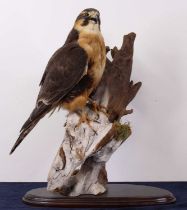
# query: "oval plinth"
(118, 195)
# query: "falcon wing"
(64, 70)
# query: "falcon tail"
(38, 112)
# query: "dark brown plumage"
(72, 73)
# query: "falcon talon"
(98, 107)
(85, 119)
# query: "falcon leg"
(85, 119)
(98, 107)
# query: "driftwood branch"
(116, 80)
(79, 166)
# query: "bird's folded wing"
(63, 72)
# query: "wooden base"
(118, 195)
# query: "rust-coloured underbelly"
(78, 96)
(76, 103)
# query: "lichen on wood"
(79, 166)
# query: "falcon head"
(88, 19)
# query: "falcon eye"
(86, 14)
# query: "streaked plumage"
(72, 73)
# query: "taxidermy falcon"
(72, 73)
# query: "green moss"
(123, 131)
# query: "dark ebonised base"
(118, 195)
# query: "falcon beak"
(95, 18)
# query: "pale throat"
(90, 28)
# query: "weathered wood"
(79, 166)
(116, 90)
